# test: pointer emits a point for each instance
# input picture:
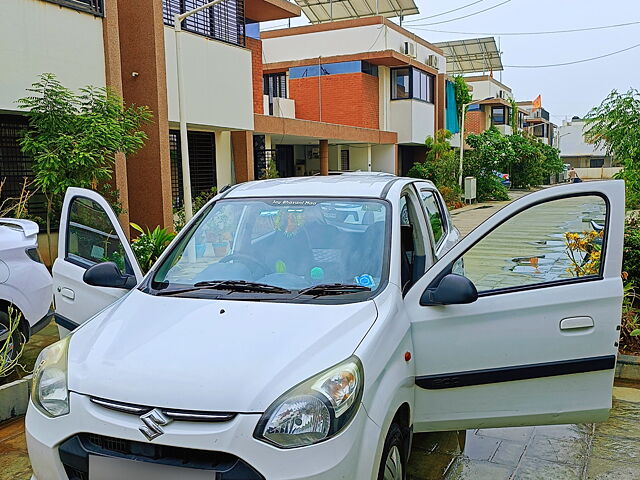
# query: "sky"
(566, 90)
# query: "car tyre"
(393, 465)
(15, 342)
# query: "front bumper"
(349, 455)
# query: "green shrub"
(149, 245)
(631, 250)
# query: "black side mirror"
(451, 290)
(108, 274)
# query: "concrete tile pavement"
(606, 451)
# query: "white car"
(305, 328)
(25, 283)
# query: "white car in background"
(25, 283)
(304, 328)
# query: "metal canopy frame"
(322, 11)
(474, 55)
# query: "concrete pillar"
(369, 157)
(142, 51)
(223, 159)
(113, 74)
(324, 157)
(242, 144)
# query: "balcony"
(279, 107)
(539, 113)
(224, 22)
(505, 129)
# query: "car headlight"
(316, 409)
(49, 391)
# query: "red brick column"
(324, 157)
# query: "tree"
(514, 115)
(74, 137)
(440, 165)
(490, 150)
(615, 125)
(463, 95)
(525, 164)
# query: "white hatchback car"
(305, 328)
(25, 283)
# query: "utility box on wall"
(470, 189)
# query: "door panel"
(89, 234)
(539, 344)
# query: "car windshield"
(291, 243)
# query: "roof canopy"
(472, 55)
(320, 11)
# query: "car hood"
(210, 355)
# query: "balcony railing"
(539, 113)
(224, 21)
(96, 7)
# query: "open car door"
(89, 234)
(536, 343)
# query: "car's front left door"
(89, 234)
(539, 344)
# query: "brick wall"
(347, 99)
(256, 66)
(475, 122)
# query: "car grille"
(178, 415)
(75, 451)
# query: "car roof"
(352, 184)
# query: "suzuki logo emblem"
(153, 423)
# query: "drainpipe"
(182, 114)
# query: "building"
(378, 85)
(538, 123)
(575, 151)
(352, 94)
(131, 47)
(492, 106)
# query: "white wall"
(571, 139)
(383, 158)
(358, 158)
(218, 82)
(367, 38)
(224, 160)
(413, 120)
(488, 89)
(38, 37)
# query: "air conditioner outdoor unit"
(408, 48)
(432, 61)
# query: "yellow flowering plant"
(584, 250)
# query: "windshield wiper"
(333, 289)
(231, 285)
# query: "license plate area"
(111, 468)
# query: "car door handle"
(573, 323)
(68, 293)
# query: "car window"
(434, 214)
(412, 245)
(91, 237)
(555, 240)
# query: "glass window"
(418, 91)
(433, 214)
(424, 87)
(400, 83)
(294, 243)
(91, 237)
(556, 240)
(498, 115)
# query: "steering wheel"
(246, 259)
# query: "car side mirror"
(451, 290)
(107, 274)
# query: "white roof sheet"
(320, 11)
(472, 56)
